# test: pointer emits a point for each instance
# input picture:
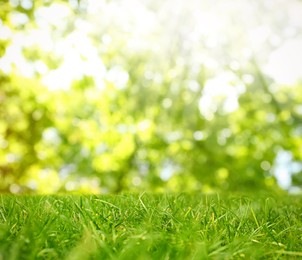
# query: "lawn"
(150, 226)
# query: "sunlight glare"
(285, 63)
(224, 89)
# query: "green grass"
(150, 227)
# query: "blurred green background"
(110, 96)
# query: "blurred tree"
(81, 109)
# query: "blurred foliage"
(134, 122)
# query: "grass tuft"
(150, 226)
